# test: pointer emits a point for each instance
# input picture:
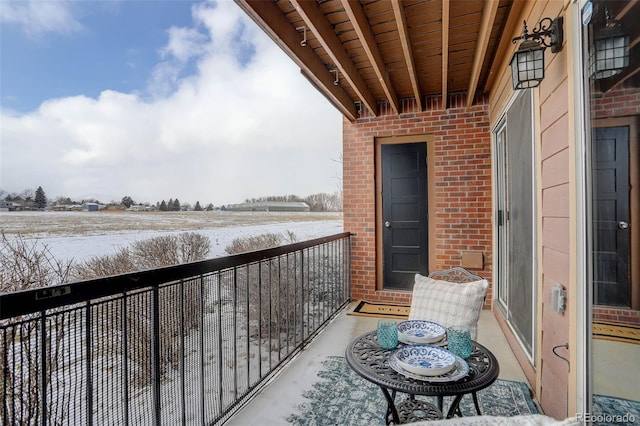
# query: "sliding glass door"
(515, 209)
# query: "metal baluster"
(43, 366)
(183, 398)
(125, 359)
(201, 343)
(157, 410)
(88, 363)
(220, 351)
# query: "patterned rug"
(608, 410)
(342, 397)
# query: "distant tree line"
(37, 200)
(321, 202)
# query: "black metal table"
(370, 361)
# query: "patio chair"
(452, 297)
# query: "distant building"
(91, 207)
(9, 206)
(270, 206)
(141, 208)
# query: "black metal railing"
(185, 344)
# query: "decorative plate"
(425, 360)
(459, 371)
(419, 331)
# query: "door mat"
(380, 310)
(342, 397)
(617, 332)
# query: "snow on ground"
(80, 248)
(81, 235)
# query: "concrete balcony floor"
(279, 398)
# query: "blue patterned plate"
(419, 331)
(459, 371)
(425, 360)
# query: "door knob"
(623, 225)
(387, 224)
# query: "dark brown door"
(611, 217)
(404, 214)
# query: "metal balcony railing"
(186, 344)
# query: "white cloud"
(36, 17)
(244, 124)
(184, 43)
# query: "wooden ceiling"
(374, 54)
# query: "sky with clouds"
(157, 100)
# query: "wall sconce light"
(527, 64)
(609, 54)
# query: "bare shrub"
(271, 304)
(259, 242)
(147, 254)
(101, 266)
(170, 250)
(27, 264)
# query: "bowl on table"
(420, 331)
(425, 360)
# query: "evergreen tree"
(163, 206)
(41, 198)
(197, 208)
(176, 205)
(127, 201)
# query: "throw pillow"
(448, 303)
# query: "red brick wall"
(613, 314)
(462, 187)
(619, 102)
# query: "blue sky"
(156, 100)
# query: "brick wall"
(462, 187)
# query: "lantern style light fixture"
(527, 64)
(609, 54)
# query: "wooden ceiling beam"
(488, 18)
(401, 22)
(445, 52)
(325, 34)
(273, 22)
(363, 30)
(511, 27)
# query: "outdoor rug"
(342, 397)
(608, 410)
(381, 310)
(617, 332)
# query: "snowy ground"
(82, 235)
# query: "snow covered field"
(82, 235)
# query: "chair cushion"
(448, 303)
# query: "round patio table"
(370, 361)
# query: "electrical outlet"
(559, 298)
